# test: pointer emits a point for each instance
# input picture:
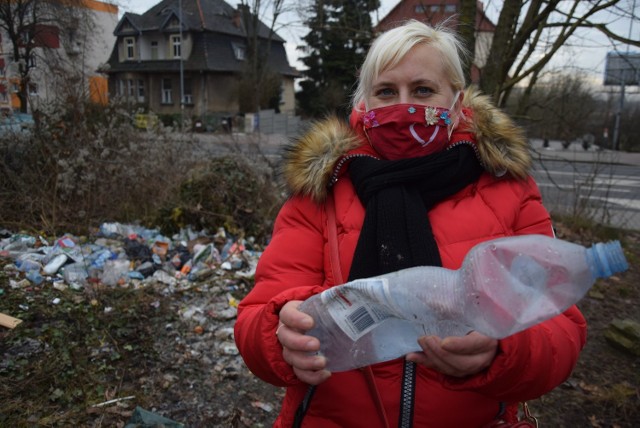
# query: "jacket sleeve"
(533, 362)
(291, 268)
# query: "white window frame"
(166, 92)
(155, 49)
(130, 48)
(176, 46)
(239, 51)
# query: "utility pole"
(181, 70)
(616, 129)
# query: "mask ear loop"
(453, 123)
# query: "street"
(603, 185)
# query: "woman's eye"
(385, 92)
(423, 90)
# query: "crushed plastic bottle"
(55, 264)
(503, 286)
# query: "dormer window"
(129, 48)
(174, 22)
(176, 44)
(240, 51)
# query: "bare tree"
(563, 106)
(35, 30)
(530, 32)
(261, 81)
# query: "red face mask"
(404, 131)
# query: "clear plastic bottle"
(503, 286)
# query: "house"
(435, 11)
(156, 60)
(67, 43)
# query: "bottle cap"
(608, 259)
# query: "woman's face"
(419, 78)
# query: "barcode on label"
(361, 319)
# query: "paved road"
(603, 185)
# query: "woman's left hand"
(456, 356)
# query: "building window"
(420, 8)
(140, 90)
(166, 91)
(2, 72)
(176, 43)
(31, 61)
(435, 8)
(154, 50)
(130, 48)
(239, 51)
(188, 92)
(130, 88)
(450, 8)
(33, 89)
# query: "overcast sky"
(589, 56)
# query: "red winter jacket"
(296, 265)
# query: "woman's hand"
(297, 348)
(456, 356)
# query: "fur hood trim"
(309, 163)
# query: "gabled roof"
(211, 52)
(408, 9)
(132, 20)
(215, 26)
(197, 15)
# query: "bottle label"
(355, 307)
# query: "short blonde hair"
(390, 47)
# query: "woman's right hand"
(298, 348)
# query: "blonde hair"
(390, 47)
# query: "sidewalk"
(575, 152)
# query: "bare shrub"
(84, 164)
(232, 191)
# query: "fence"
(270, 122)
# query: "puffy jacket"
(505, 201)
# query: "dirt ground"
(98, 354)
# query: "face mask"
(404, 131)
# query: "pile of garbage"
(126, 255)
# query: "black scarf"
(397, 195)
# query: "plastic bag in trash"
(145, 419)
(115, 271)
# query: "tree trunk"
(467, 31)
(492, 73)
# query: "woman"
(458, 169)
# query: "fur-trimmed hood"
(311, 161)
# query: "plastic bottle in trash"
(503, 286)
